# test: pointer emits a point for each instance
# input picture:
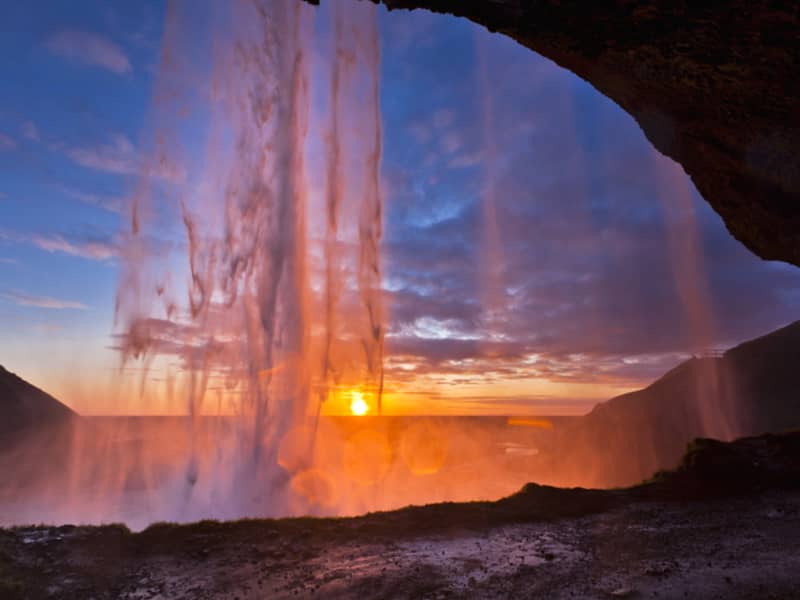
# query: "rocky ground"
(725, 524)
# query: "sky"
(538, 255)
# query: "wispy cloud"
(98, 246)
(22, 299)
(48, 328)
(30, 131)
(91, 249)
(7, 142)
(118, 156)
(109, 203)
(91, 49)
(466, 160)
(7, 261)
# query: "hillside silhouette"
(24, 407)
(751, 389)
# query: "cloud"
(98, 246)
(7, 142)
(90, 249)
(183, 340)
(22, 299)
(30, 131)
(451, 142)
(8, 261)
(48, 328)
(90, 49)
(118, 156)
(121, 157)
(110, 204)
(466, 160)
(571, 258)
(549, 260)
(443, 118)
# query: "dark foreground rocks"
(724, 524)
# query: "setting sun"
(358, 406)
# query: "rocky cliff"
(749, 390)
(23, 406)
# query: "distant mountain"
(23, 406)
(751, 389)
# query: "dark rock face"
(748, 464)
(714, 85)
(24, 407)
(750, 390)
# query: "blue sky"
(586, 270)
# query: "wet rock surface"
(714, 85)
(700, 531)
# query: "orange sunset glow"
(358, 406)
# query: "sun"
(358, 406)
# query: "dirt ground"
(686, 534)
